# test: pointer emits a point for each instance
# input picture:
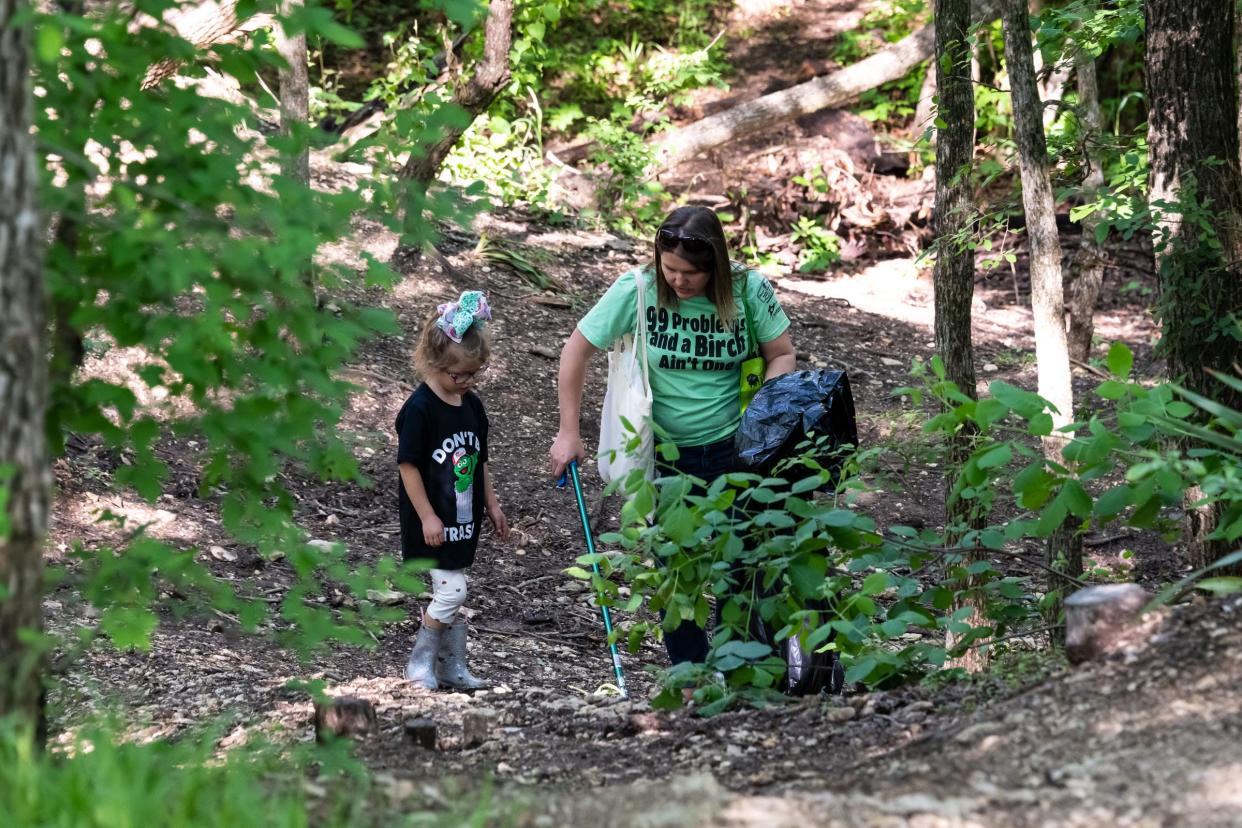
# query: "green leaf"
(1120, 360)
(838, 518)
(807, 575)
(679, 525)
(1221, 584)
(48, 40)
(748, 650)
(130, 628)
(1114, 501)
(875, 583)
(1033, 485)
(1040, 425)
(996, 456)
(1023, 402)
(1112, 390)
(989, 411)
(1077, 500)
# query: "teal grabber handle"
(590, 544)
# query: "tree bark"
(1087, 269)
(202, 24)
(1196, 199)
(953, 279)
(1047, 290)
(925, 109)
(672, 147)
(475, 97)
(294, 92)
(23, 382)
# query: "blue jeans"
(689, 642)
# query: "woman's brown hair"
(696, 235)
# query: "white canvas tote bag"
(629, 397)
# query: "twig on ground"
(1090, 368)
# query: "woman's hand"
(499, 522)
(565, 448)
(433, 531)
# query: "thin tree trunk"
(1047, 291)
(896, 61)
(925, 109)
(1051, 80)
(475, 97)
(294, 92)
(24, 468)
(954, 275)
(1087, 269)
(1192, 139)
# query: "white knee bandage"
(448, 587)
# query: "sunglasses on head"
(694, 245)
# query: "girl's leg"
(448, 594)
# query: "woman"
(701, 316)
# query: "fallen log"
(827, 91)
(202, 24)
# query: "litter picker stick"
(590, 544)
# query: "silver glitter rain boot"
(451, 667)
(421, 668)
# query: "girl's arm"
(568, 444)
(492, 504)
(780, 356)
(412, 480)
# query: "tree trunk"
(1087, 270)
(203, 24)
(294, 92)
(1047, 291)
(925, 109)
(1050, 80)
(953, 279)
(23, 382)
(892, 63)
(475, 97)
(1196, 199)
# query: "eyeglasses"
(694, 245)
(465, 376)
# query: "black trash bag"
(786, 410)
(807, 672)
(778, 419)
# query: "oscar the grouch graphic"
(463, 468)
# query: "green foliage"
(100, 780)
(820, 247)
(603, 73)
(1086, 25)
(102, 783)
(172, 237)
(772, 551)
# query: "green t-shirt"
(694, 359)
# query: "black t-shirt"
(448, 446)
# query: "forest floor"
(1146, 739)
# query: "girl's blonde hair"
(435, 350)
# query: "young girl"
(445, 484)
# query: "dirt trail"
(1084, 748)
